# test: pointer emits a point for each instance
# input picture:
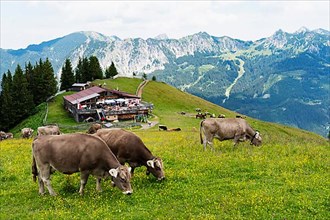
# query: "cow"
(48, 130)
(4, 135)
(162, 128)
(26, 132)
(9, 135)
(93, 128)
(227, 128)
(201, 115)
(71, 153)
(174, 129)
(129, 148)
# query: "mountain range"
(284, 78)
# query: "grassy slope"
(286, 178)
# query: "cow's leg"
(236, 140)
(83, 180)
(41, 185)
(98, 184)
(208, 139)
(45, 177)
(204, 143)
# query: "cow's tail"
(34, 167)
(200, 131)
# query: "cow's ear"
(158, 164)
(151, 163)
(129, 169)
(113, 172)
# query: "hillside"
(169, 102)
(281, 78)
(287, 178)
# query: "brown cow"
(93, 128)
(129, 148)
(49, 130)
(201, 115)
(227, 128)
(4, 135)
(71, 153)
(26, 132)
(9, 135)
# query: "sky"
(32, 22)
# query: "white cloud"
(31, 22)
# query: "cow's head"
(155, 166)
(121, 177)
(256, 139)
(30, 132)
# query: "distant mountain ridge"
(282, 78)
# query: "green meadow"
(287, 178)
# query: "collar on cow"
(254, 136)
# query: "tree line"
(88, 69)
(22, 91)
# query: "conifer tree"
(6, 103)
(111, 71)
(50, 82)
(85, 74)
(78, 71)
(67, 76)
(95, 69)
(29, 76)
(144, 76)
(45, 84)
(37, 83)
(22, 99)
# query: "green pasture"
(287, 178)
(271, 182)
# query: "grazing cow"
(49, 130)
(227, 128)
(162, 127)
(71, 153)
(129, 148)
(93, 128)
(9, 135)
(26, 132)
(174, 129)
(201, 115)
(4, 135)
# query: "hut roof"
(84, 94)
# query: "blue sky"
(32, 22)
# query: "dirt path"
(150, 124)
(140, 88)
(139, 92)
